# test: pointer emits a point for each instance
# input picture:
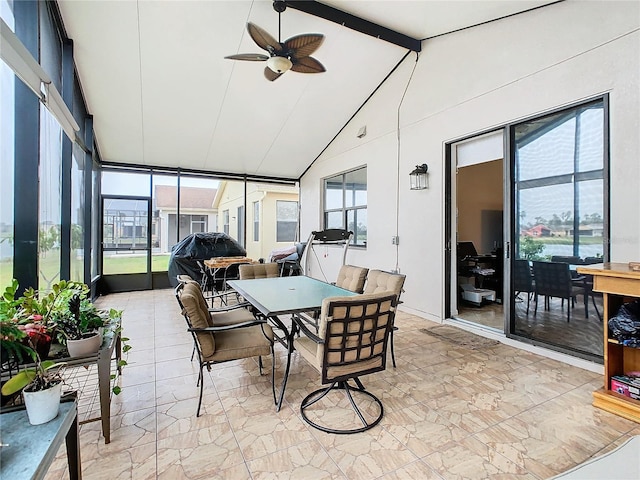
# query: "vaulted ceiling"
(162, 94)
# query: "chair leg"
(315, 396)
(201, 381)
(393, 353)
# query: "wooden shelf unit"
(618, 284)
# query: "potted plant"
(80, 324)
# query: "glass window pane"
(333, 193)
(357, 223)
(77, 214)
(591, 139)
(95, 219)
(355, 185)
(256, 221)
(7, 155)
(287, 221)
(49, 217)
(545, 147)
(125, 183)
(125, 234)
(591, 237)
(334, 220)
(164, 221)
(546, 219)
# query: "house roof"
(190, 197)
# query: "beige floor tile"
(451, 412)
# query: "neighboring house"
(197, 214)
(538, 231)
(271, 216)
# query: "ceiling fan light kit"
(279, 64)
(294, 54)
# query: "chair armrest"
(306, 331)
(228, 308)
(227, 327)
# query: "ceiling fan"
(293, 54)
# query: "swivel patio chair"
(351, 342)
(217, 343)
(380, 281)
(350, 278)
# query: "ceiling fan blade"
(263, 39)
(251, 57)
(303, 45)
(307, 65)
(270, 74)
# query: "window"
(225, 221)
(7, 134)
(345, 203)
(559, 168)
(286, 221)
(50, 208)
(256, 221)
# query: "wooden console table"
(618, 284)
(28, 450)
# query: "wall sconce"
(419, 177)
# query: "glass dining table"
(278, 297)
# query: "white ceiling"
(162, 94)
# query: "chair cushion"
(198, 314)
(352, 278)
(259, 270)
(241, 343)
(379, 281)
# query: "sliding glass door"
(559, 215)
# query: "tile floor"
(451, 412)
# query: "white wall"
(469, 82)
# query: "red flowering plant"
(20, 335)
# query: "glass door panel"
(558, 218)
(125, 235)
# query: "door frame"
(112, 283)
(450, 215)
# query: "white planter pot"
(85, 346)
(43, 406)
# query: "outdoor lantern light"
(419, 178)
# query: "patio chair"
(553, 279)
(352, 278)
(216, 342)
(523, 280)
(380, 281)
(259, 270)
(351, 342)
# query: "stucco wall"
(469, 82)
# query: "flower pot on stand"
(84, 347)
(43, 405)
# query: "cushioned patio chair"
(351, 342)
(217, 339)
(259, 270)
(381, 281)
(352, 278)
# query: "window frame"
(344, 210)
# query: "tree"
(530, 249)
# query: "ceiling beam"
(355, 23)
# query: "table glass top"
(279, 295)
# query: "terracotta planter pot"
(43, 405)
(84, 346)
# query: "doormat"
(457, 336)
